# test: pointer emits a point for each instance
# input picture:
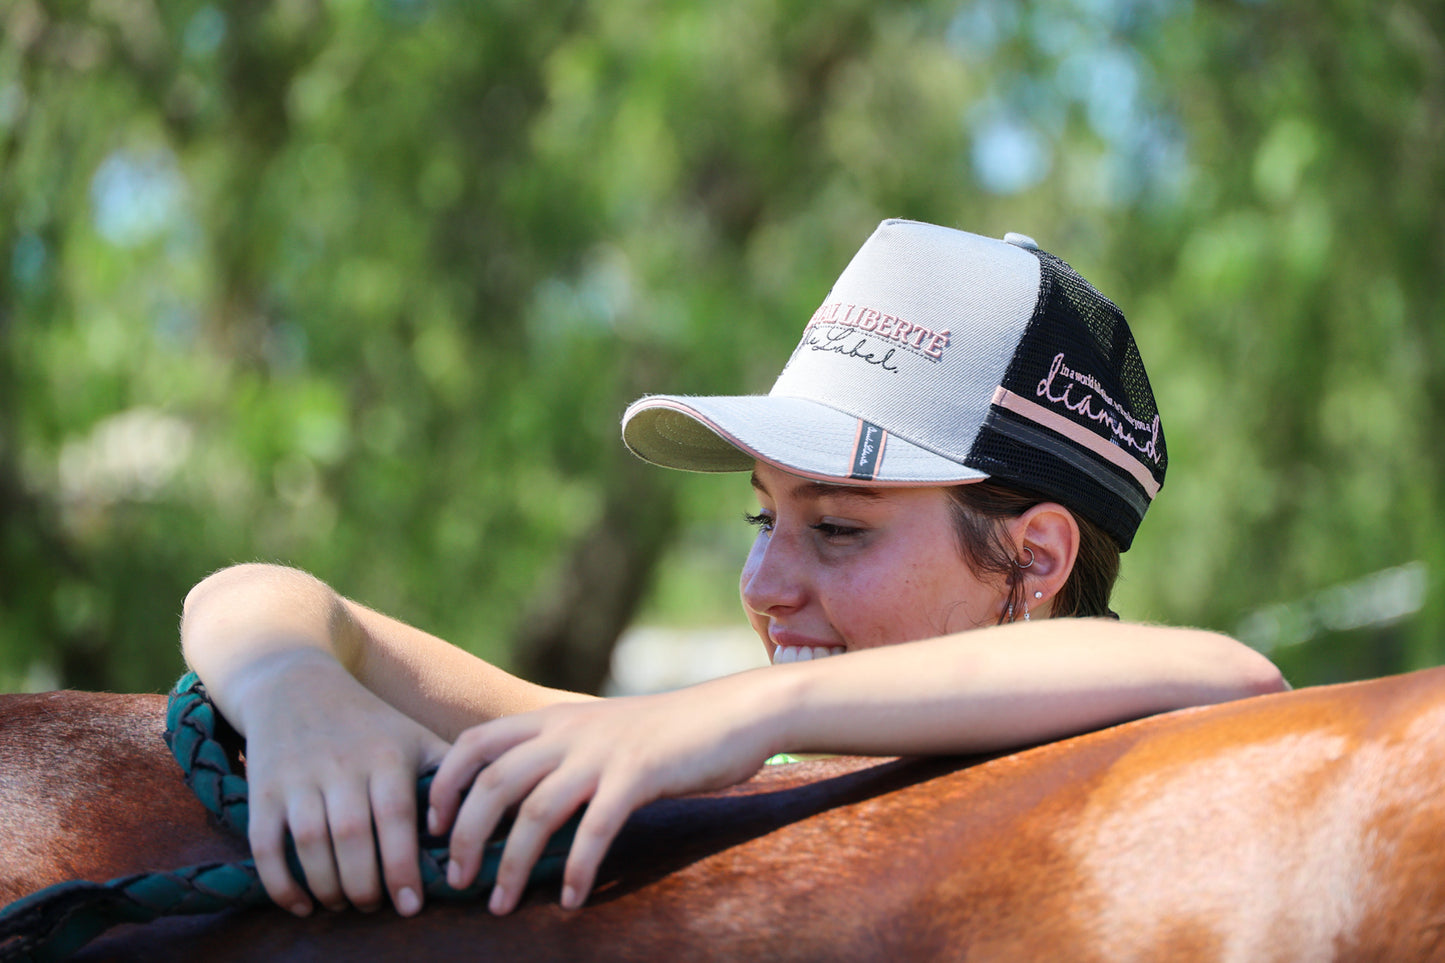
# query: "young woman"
(952, 460)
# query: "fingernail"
(454, 874)
(570, 899)
(301, 909)
(407, 903)
(498, 901)
(433, 821)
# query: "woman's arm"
(240, 618)
(1012, 686)
(980, 691)
(341, 708)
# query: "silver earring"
(1038, 595)
(1029, 562)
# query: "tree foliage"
(363, 285)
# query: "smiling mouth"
(804, 653)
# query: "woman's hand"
(328, 761)
(341, 707)
(980, 691)
(615, 756)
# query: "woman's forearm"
(244, 624)
(1017, 685)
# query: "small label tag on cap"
(1021, 240)
(867, 451)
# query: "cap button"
(1021, 240)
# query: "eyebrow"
(815, 490)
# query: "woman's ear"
(1049, 534)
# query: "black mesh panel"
(1084, 339)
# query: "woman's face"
(837, 567)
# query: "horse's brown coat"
(1307, 825)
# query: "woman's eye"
(833, 531)
(762, 521)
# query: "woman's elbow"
(225, 582)
(248, 577)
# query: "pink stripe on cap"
(1081, 436)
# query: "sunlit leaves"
(364, 284)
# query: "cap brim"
(729, 433)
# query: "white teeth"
(804, 653)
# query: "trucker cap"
(942, 357)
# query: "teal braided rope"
(55, 922)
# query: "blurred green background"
(364, 285)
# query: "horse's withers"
(1302, 825)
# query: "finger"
(353, 845)
(267, 834)
(474, 748)
(604, 818)
(306, 815)
(545, 809)
(433, 750)
(393, 806)
(495, 789)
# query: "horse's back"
(1304, 825)
(88, 791)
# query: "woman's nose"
(772, 578)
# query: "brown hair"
(979, 511)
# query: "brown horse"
(1307, 825)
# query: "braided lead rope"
(54, 922)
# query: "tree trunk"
(574, 620)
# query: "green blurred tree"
(1256, 184)
(363, 286)
(1300, 282)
